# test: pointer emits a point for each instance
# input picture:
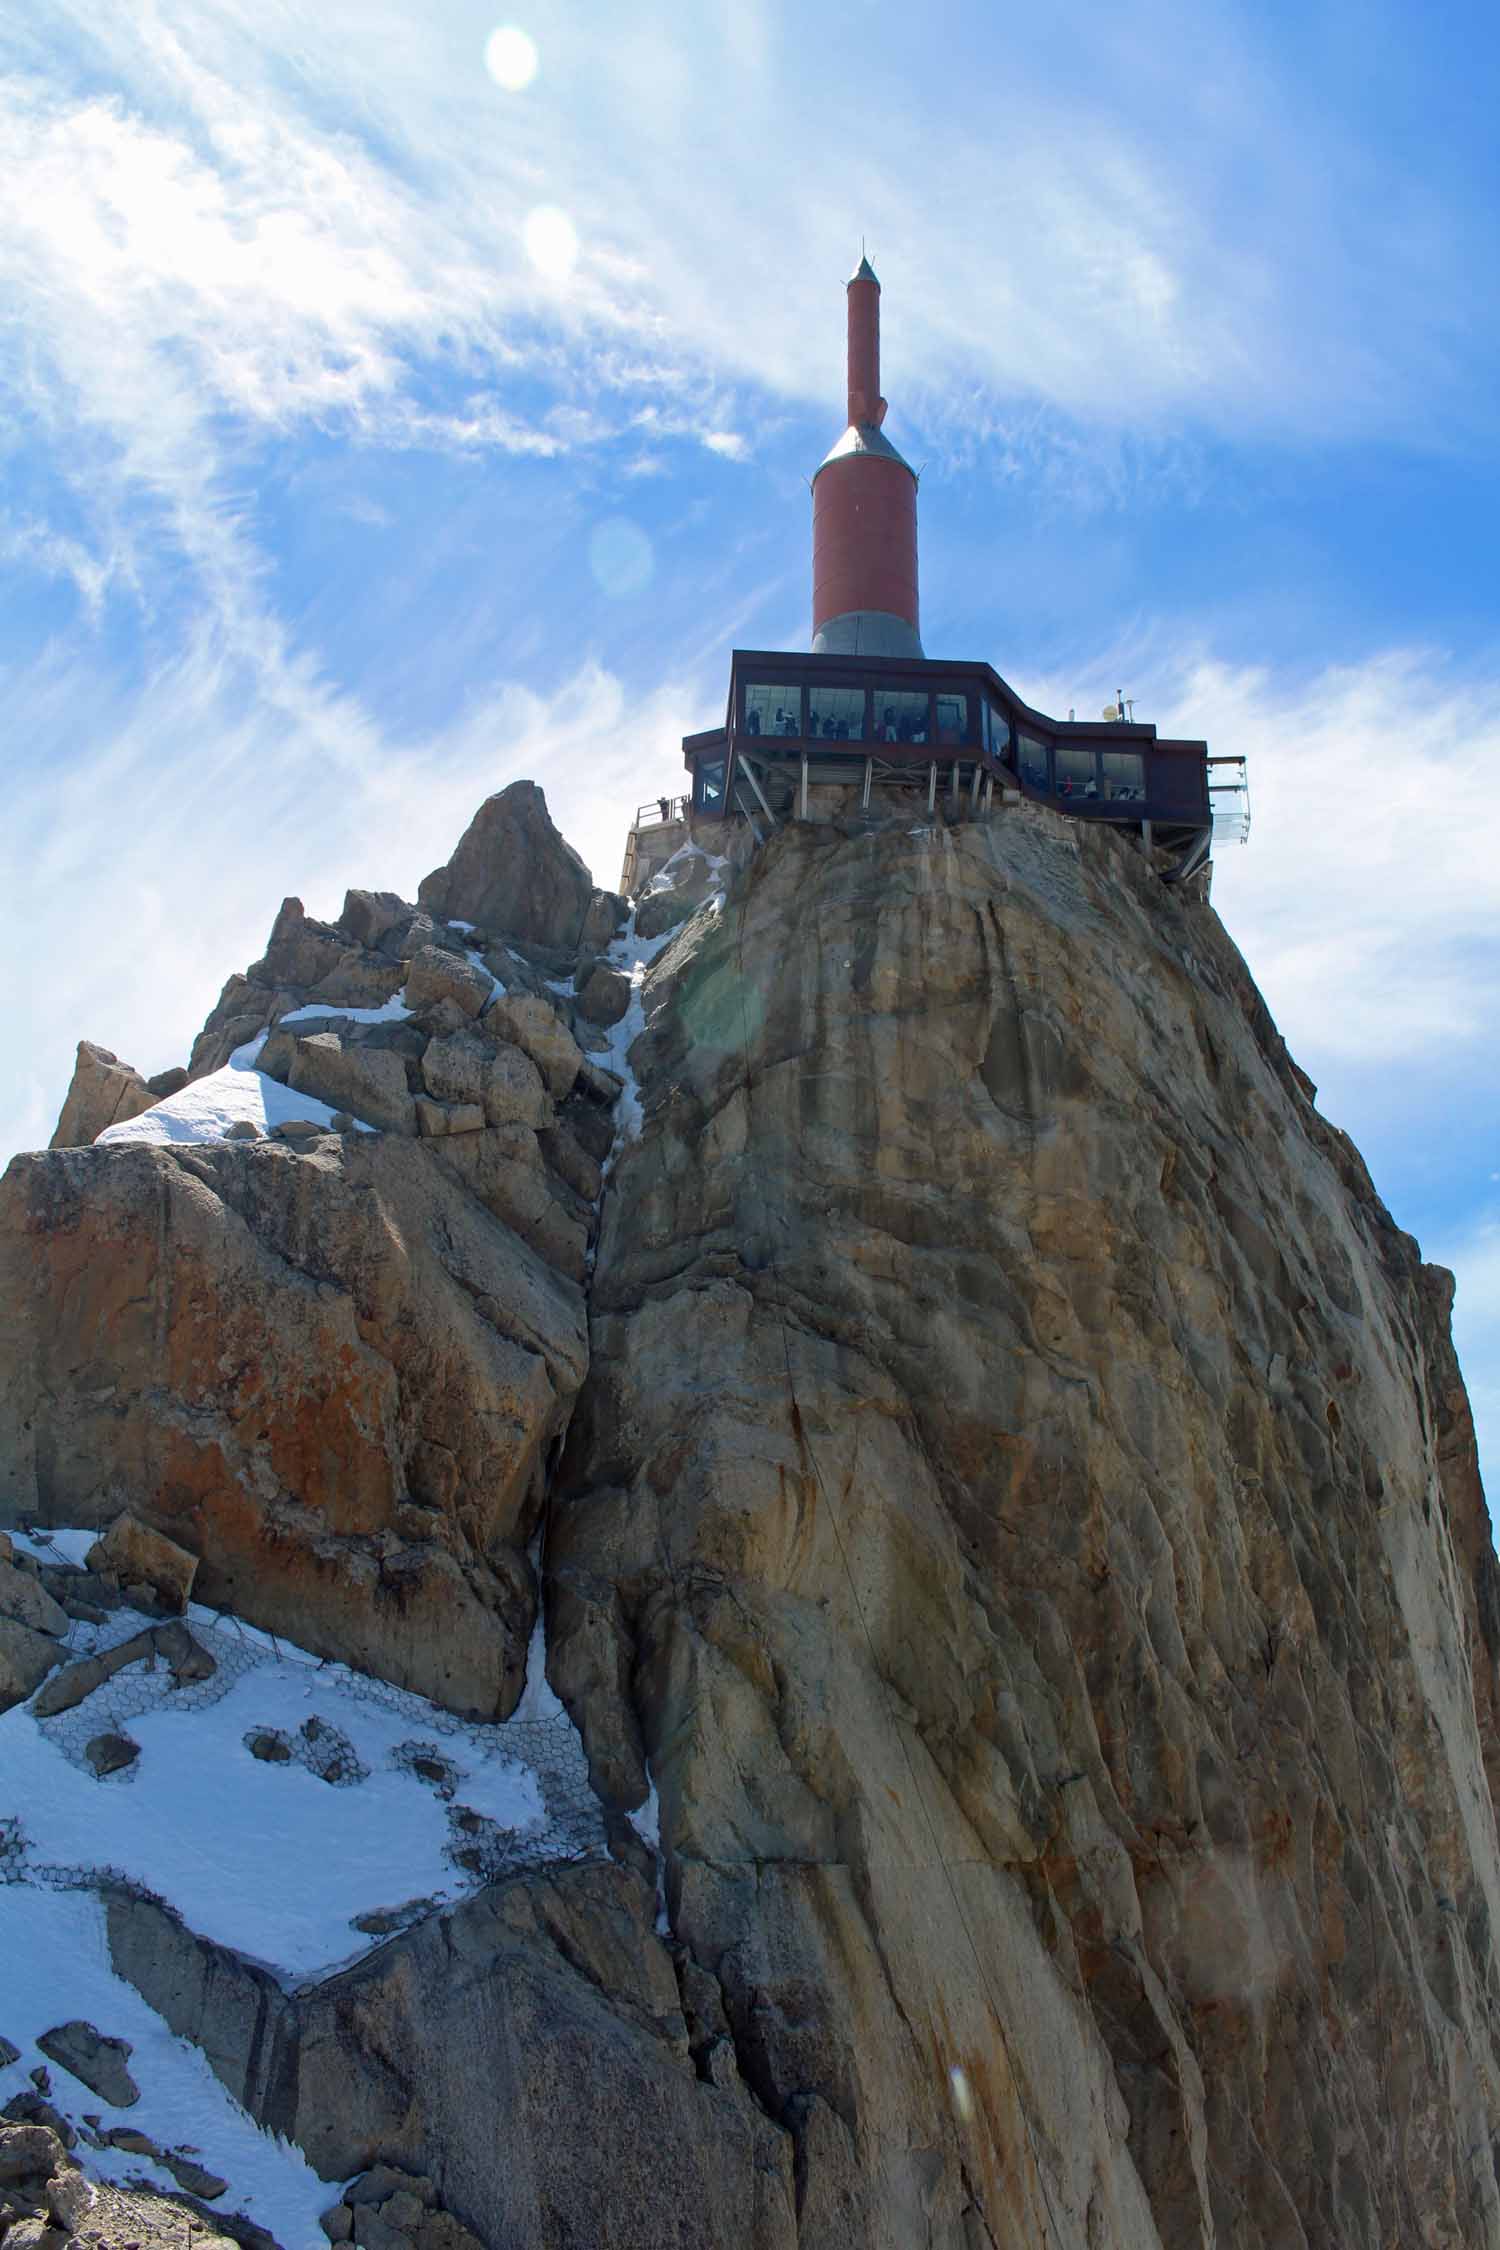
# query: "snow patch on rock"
(239, 1094)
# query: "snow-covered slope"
(358, 1807)
(239, 1094)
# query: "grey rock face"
(1021, 1521)
(513, 874)
(554, 2097)
(1012, 1508)
(606, 916)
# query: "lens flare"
(551, 241)
(962, 2092)
(621, 557)
(511, 58)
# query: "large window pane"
(709, 792)
(773, 710)
(836, 714)
(1032, 763)
(899, 715)
(1124, 776)
(1077, 773)
(953, 718)
(996, 732)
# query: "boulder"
(535, 1027)
(504, 1084)
(369, 916)
(367, 1081)
(26, 1657)
(256, 1346)
(111, 1753)
(661, 911)
(513, 874)
(455, 1066)
(70, 2198)
(94, 2057)
(131, 1553)
(677, 888)
(186, 1658)
(358, 980)
(28, 2152)
(104, 1092)
(24, 1600)
(168, 1082)
(604, 995)
(437, 1118)
(433, 976)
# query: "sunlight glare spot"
(963, 2099)
(551, 241)
(621, 557)
(510, 57)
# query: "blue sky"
(372, 433)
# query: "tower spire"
(865, 510)
(866, 406)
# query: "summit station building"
(866, 712)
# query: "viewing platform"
(945, 735)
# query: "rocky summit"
(796, 1563)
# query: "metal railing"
(659, 810)
(1229, 802)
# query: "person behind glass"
(888, 725)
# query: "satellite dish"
(1110, 711)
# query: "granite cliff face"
(1012, 1539)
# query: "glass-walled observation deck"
(795, 721)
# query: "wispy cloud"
(278, 215)
(1368, 899)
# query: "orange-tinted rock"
(250, 1347)
(104, 1091)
